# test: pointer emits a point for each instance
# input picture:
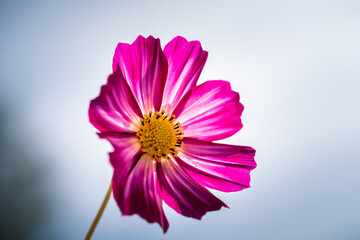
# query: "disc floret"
(159, 135)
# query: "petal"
(137, 192)
(186, 61)
(144, 66)
(126, 150)
(134, 183)
(211, 111)
(219, 166)
(115, 109)
(182, 193)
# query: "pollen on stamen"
(159, 135)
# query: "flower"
(161, 125)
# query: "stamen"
(159, 136)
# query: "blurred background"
(296, 65)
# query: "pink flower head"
(161, 125)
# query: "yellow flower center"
(159, 135)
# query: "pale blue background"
(296, 65)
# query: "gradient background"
(296, 65)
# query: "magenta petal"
(126, 150)
(115, 109)
(135, 185)
(219, 166)
(144, 66)
(136, 192)
(182, 193)
(211, 111)
(186, 61)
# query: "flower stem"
(98, 215)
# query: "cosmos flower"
(162, 125)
